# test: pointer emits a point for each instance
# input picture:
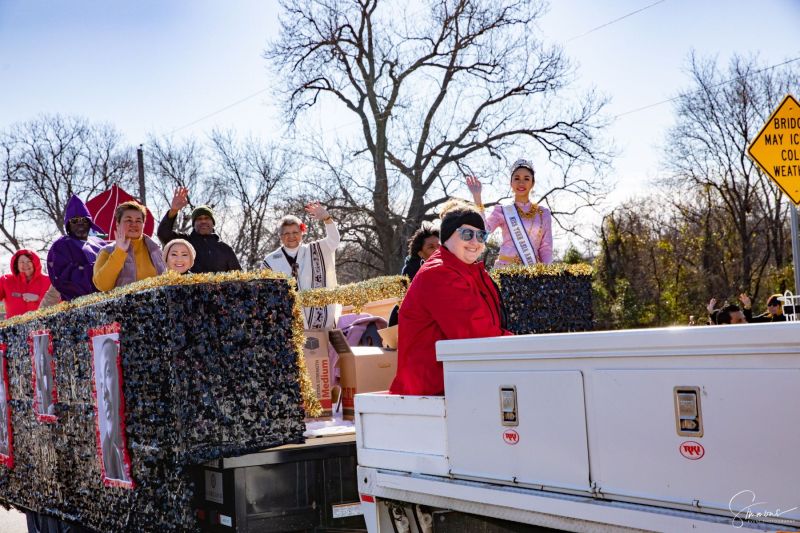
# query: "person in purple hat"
(70, 261)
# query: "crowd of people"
(730, 313)
(83, 262)
(451, 295)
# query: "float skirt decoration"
(208, 368)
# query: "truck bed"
(660, 429)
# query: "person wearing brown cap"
(774, 311)
(212, 255)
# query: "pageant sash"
(317, 316)
(519, 236)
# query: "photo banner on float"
(6, 433)
(45, 393)
(109, 406)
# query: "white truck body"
(673, 429)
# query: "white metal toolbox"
(702, 418)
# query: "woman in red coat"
(451, 297)
(24, 288)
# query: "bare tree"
(250, 172)
(435, 93)
(48, 159)
(13, 216)
(707, 154)
(171, 164)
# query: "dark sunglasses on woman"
(467, 234)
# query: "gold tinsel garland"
(310, 400)
(170, 278)
(539, 269)
(167, 279)
(356, 294)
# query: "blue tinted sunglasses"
(467, 234)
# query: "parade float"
(116, 404)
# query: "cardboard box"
(363, 369)
(389, 337)
(382, 308)
(319, 367)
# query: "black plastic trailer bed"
(308, 487)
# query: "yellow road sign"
(776, 148)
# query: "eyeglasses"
(79, 220)
(467, 234)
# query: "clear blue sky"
(156, 66)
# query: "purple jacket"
(70, 261)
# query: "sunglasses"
(79, 220)
(467, 234)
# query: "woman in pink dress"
(533, 242)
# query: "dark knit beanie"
(203, 210)
(456, 218)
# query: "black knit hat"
(455, 218)
(203, 210)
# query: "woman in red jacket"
(451, 297)
(24, 288)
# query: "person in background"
(24, 288)
(312, 264)
(452, 297)
(71, 259)
(211, 254)
(731, 314)
(133, 256)
(421, 246)
(774, 312)
(727, 314)
(533, 241)
(179, 256)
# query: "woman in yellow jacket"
(133, 256)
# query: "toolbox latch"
(688, 414)
(508, 405)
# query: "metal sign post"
(776, 149)
(795, 250)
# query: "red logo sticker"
(692, 450)
(510, 436)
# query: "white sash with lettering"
(316, 317)
(519, 236)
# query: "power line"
(220, 110)
(636, 110)
(615, 20)
(710, 87)
(246, 98)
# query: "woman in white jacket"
(312, 264)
